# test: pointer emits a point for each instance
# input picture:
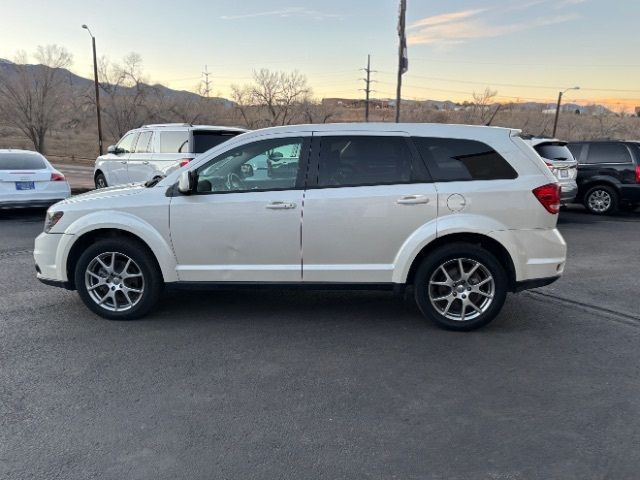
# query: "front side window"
(450, 160)
(608, 153)
(363, 160)
(174, 142)
(126, 144)
(143, 142)
(258, 166)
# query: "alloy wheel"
(599, 201)
(114, 281)
(461, 289)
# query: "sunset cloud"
(459, 27)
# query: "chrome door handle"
(123, 161)
(281, 205)
(413, 200)
(145, 163)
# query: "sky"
(526, 50)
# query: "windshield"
(21, 161)
(554, 151)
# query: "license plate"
(564, 174)
(25, 186)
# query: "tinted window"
(608, 153)
(203, 141)
(262, 165)
(554, 151)
(174, 142)
(21, 161)
(455, 160)
(363, 160)
(126, 144)
(576, 150)
(143, 142)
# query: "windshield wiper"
(154, 181)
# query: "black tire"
(469, 253)
(100, 180)
(144, 263)
(602, 193)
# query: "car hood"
(104, 193)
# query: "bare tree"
(272, 98)
(481, 109)
(125, 92)
(33, 98)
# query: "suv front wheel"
(118, 279)
(601, 200)
(460, 287)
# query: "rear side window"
(576, 150)
(610, 152)
(21, 161)
(174, 142)
(203, 140)
(143, 142)
(363, 160)
(554, 151)
(452, 160)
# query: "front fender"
(118, 220)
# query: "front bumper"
(47, 255)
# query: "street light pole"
(97, 86)
(555, 122)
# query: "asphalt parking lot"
(304, 385)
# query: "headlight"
(51, 220)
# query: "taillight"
(549, 196)
(57, 177)
(637, 173)
(185, 161)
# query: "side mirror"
(247, 170)
(112, 149)
(275, 156)
(186, 183)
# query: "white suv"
(462, 214)
(156, 150)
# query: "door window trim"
(301, 176)
(587, 148)
(419, 172)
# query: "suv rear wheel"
(460, 287)
(100, 180)
(118, 279)
(601, 200)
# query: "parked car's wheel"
(100, 180)
(460, 286)
(118, 279)
(601, 200)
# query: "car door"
(243, 224)
(367, 194)
(117, 173)
(139, 167)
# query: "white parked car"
(27, 179)
(462, 214)
(156, 150)
(557, 156)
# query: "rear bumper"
(35, 203)
(568, 191)
(535, 283)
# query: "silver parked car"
(563, 165)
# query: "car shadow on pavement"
(23, 214)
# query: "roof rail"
(159, 125)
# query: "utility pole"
(206, 82)
(403, 62)
(367, 88)
(555, 122)
(97, 85)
